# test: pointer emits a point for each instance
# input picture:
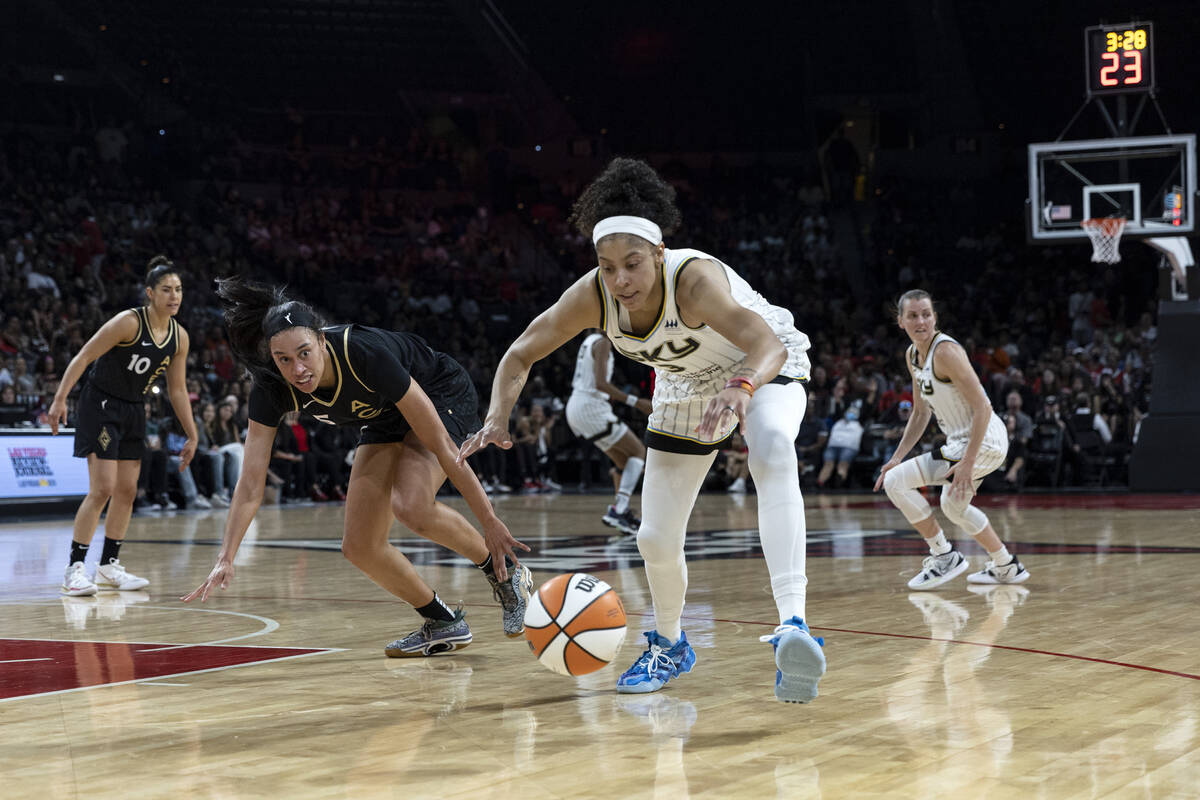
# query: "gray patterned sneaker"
(513, 596)
(435, 636)
(936, 570)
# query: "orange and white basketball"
(575, 624)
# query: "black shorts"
(112, 428)
(456, 402)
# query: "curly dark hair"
(628, 186)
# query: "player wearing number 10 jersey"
(132, 350)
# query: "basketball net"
(1105, 234)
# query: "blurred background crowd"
(442, 219)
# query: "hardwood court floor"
(1082, 683)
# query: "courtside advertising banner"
(38, 465)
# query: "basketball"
(575, 624)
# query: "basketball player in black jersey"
(132, 350)
(415, 406)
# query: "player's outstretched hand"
(488, 434)
(500, 543)
(221, 575)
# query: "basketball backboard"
(1149, 180)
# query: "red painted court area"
(31, 667)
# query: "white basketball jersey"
(693, 364)
(584, 381)
(950, 408)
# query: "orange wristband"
(745, 384)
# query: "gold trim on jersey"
(349, 366)
(145, 312)
(686, 438)
(662, 310)
(603, 301)
(933, 371)
(338, 366)
(678, 272)
(137, 336)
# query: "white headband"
(638, 226)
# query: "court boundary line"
(315, 652)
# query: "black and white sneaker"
(936, 570)
(1012, 572)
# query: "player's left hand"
(186, 454)
(500, 543)
(727, 401)
(962, 486)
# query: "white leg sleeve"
(901, 484)
(772, 423)
(962, 513)
(672, 482)
(629, 479)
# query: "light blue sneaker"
(661, 662)
(799, 660)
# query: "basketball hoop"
(1105, 234)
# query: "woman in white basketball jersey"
(723, 358)
(590, 416)
(976, 444)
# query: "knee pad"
(962, 513)
(772, 454)
(904, 496)
(657, 546)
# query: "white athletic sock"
(629, 479)
(1001, 558)
(938, 544)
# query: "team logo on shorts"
(104, 438)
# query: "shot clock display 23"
(1120, 58)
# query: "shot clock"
(1119, 58)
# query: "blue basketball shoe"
(799, 660)
(661, 662)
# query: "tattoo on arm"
(748, 373)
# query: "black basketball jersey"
(129, 370)
(372, 370)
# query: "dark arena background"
(411, 165)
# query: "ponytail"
(158, 268)
(253, 314)
(245, 306)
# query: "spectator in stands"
(329, 453)
(1020, 430)
(845, 438)
(12, 412)
(175, 441)
(287, 459)
(152, 479)
(227, 438)
(810, 441)
(735, 464)
(210, 457)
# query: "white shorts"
(595, 421)
(934, 466)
